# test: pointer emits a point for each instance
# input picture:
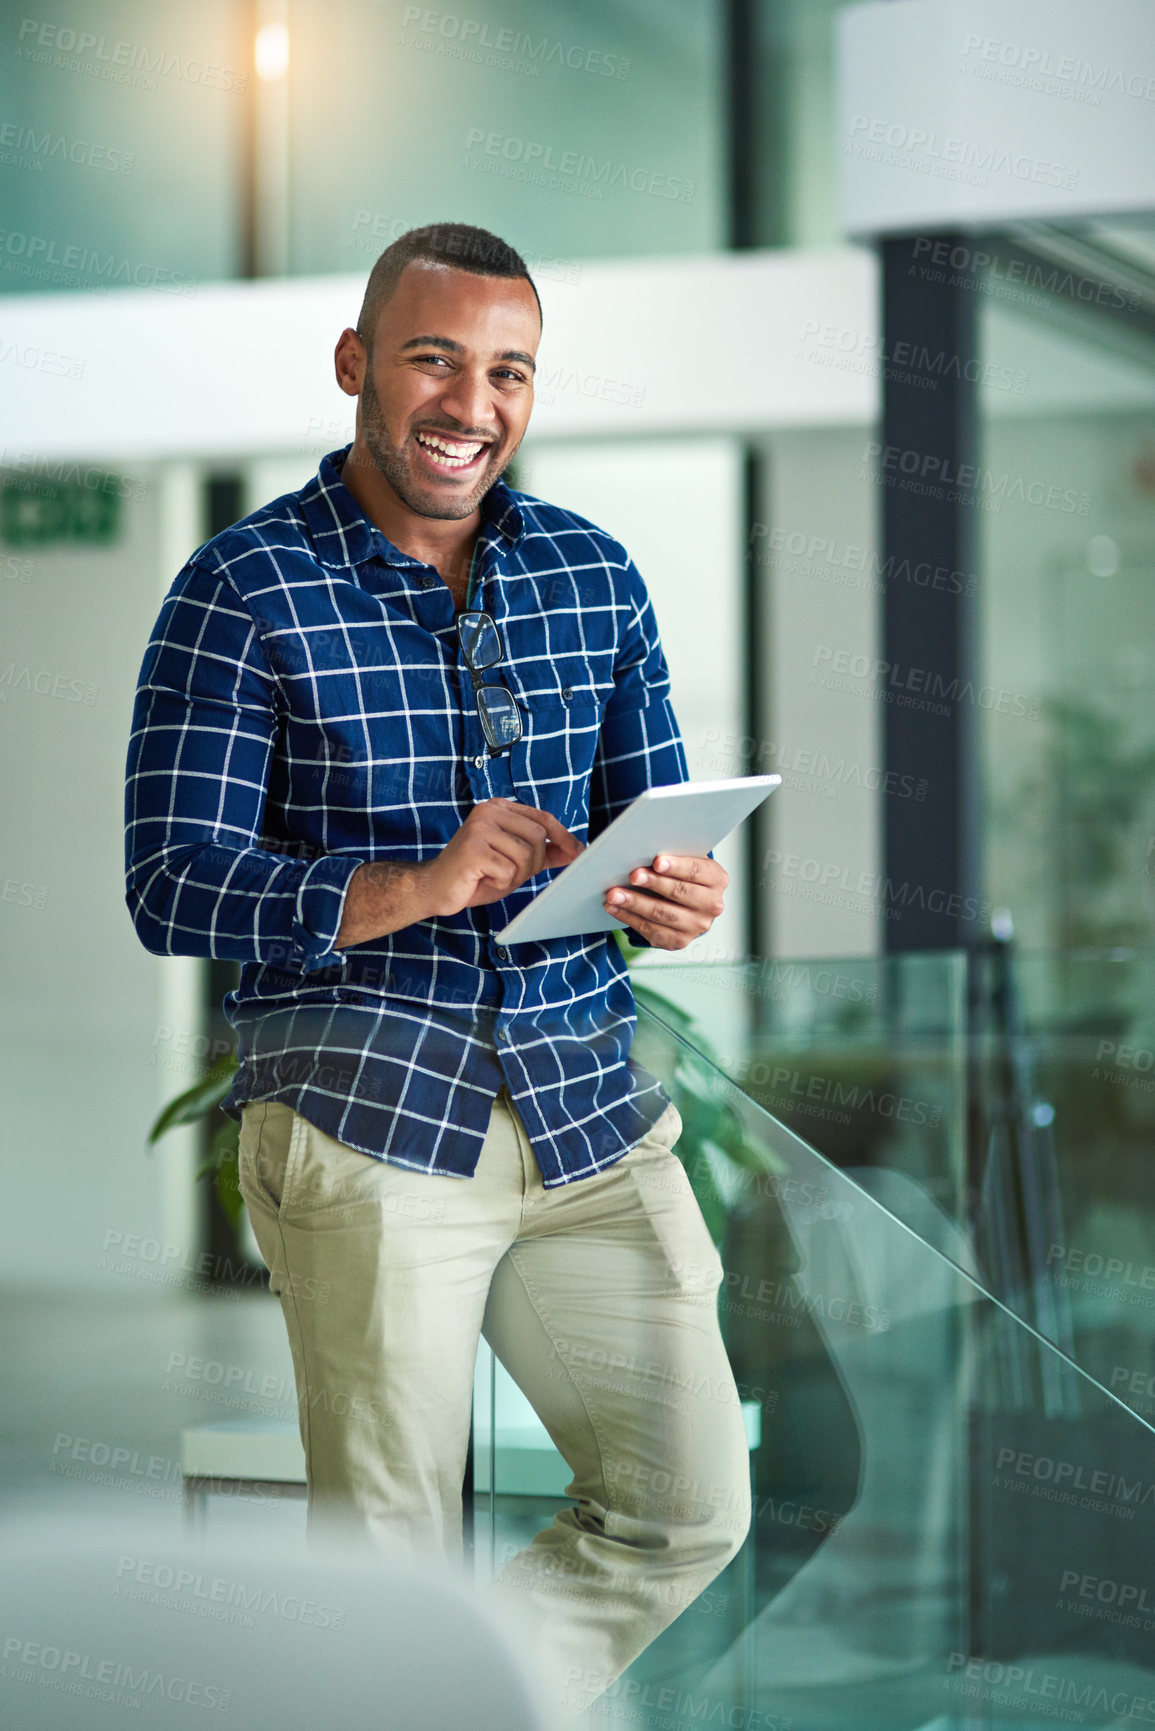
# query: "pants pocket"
(693, 1264)
(268, 1149)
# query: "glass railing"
(865, 1058)
(1077, 1132)
(953, 1522)
(1014, 1094)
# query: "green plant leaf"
(229, 1191)
(197, 1101)
(226, 1152)
(223, 1167)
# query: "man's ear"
(349, 362)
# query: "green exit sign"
(83, 508)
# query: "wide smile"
(451, 457)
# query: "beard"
(394, 462)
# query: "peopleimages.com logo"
(485, 43)
(1034, 67)
(952, 158)
(40, 255)
(134, 63)
(974, 480)
(577, 167)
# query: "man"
(371, 715)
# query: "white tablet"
(689, 818)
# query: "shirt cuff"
(320, 905)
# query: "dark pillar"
(746, 156)
(756, 659)
(741, 96)
(927, 469)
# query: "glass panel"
(124, 129)
(793, 154)
(1016, 1103)
(572, 133)
(1068, 559)
(1082, 1080)
(952, 1524)
(864, 1056)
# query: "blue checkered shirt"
(303, 707)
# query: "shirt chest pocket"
(551, 763)
(576, 681)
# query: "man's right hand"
(499, 846)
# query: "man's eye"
(439, 358)
(509, 373)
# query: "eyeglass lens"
(479, 640)
(496, 709)
(500, 720)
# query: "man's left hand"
(674, 902)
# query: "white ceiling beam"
(630, 348)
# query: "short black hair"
(453, 243)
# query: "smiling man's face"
(447, 390)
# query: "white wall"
(818, 579)
(676, 506)
(82, 1049)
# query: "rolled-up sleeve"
(640, 744)
(204, 731)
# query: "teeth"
(455, 456)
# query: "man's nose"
(469, 401)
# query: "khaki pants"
(600, 1299)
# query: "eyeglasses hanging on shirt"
(498, 713)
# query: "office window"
(572, 133)
(1068, 556)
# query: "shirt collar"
(344, 537)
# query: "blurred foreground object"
(106, 1624)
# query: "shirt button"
(567, 693)
(502, 953)
(503, 1033)
(479, 763)
(428, 582)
